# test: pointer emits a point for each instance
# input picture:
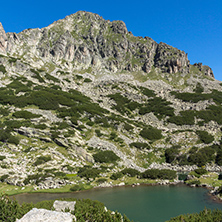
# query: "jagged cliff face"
(84, 85)
(3, 40)
(87, 40)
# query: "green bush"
(202, 157)
(9, 209)
(13, 139)
(87, 80)
(41, 126)
(211, 113)
(171, 154)
(128, 127)
(218, 159)
(201, 171)
(160, 107)
(101, 180)
(89, 210)
(182, 176)
(50, 99)
(112, 136)
(37, 75)
(130, 172)
(151, 133)
(194, 182)
(4, 111)
(105, 157)
(159, 174)
(199, 88)
(77, 187)
(4, 135)
(3, 177)
(35, 178)
(63, 125)
(185, 118)
(41, 160)
(147, 92)
(14, 124)
(102, 121)
(123, 104)
(25, 115)
(140, 146)
(204, 216)
(60, 174)
(50, 77)
(70, 168)
(2, 157)
(205, 137)
(2, 69)
(98, 133)
(191, 97)
(116, 176)
(88, 172)
(74, 120)
(89, 123)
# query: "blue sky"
(192, 26)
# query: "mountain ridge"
(91, 41)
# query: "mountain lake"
(141, 203)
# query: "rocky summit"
(83, 102)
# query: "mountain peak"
(86, 40)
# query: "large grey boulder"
(61, 206)
(40, 215)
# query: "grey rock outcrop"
(3, 40)
(61, 206)
(39, 215)
(171, 60)
(205, 69)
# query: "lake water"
(142, 203)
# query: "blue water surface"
(142, 203)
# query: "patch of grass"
(71, 175)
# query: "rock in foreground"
(37, 215)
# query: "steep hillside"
(84, 96)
